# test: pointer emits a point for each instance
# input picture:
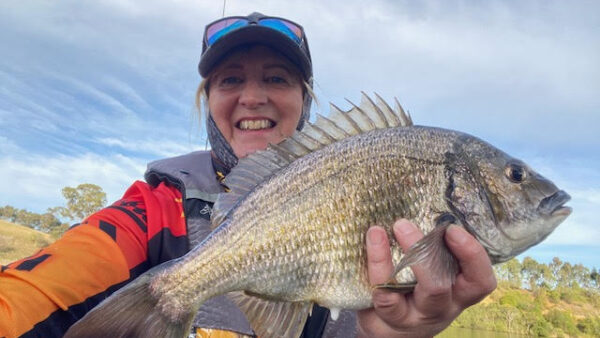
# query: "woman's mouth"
(255, 124)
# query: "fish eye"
(515, 172)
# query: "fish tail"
(132, 311)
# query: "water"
(454, 332)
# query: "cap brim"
(251, 35)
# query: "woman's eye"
(231, 80)
(276, 79)
(515, 172)
(228, 80)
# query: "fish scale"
(292, 230)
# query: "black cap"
(299, 54)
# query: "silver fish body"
(292, 232)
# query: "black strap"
(315, 324)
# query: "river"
(454, 332)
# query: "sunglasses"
(216, 30)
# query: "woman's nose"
(253, 94)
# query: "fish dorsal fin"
(340, 124)
(405, 119)
(271, 318)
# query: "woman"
(257, 84)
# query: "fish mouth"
(553, 205)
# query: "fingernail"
(457, 235)
(404, 227)
(374, 236)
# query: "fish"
(291, 231)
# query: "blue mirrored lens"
(291, 31)
(226, 28)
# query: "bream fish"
(292, 230)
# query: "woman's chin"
(244, 146)
(249, 148)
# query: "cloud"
(160, 148)
(40, 178)
(7, 146)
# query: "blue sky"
(90, 91)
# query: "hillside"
(560, 312)
(17, 241)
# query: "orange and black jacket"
(43, 295)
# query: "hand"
(434, 304)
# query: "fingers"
(379, 259)
(476, 279)
(406, 233)
(380, 268)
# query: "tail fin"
(131, 312)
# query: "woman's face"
(255, 97)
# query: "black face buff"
(220, 147)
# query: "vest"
(194, 176)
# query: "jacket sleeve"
(43, 295)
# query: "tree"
(9, 213)
(595, 277)
(48, 222)
(530, 269)
(82, 201)
(581, 275)
(510, 272)
(564, 275)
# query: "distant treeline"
(81, 201)
(530, 274)
(45, 222)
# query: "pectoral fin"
(271, 318)
(432, 252)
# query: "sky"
(91, 91)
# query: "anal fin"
(272, 318)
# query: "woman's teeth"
(255, 124)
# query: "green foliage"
(554, 295)
(45, 222)
(516, 299)
(595, 278)
(562, 320)
(589, 326)
(82, 201)
(573, 294)
(538, 325)
(510, 272)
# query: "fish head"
(504, 203)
